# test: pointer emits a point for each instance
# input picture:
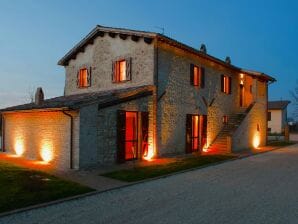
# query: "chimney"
(228, 60)
(203, 48)
(39, 96)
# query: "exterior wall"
(88, 136)
(177, 97)
(247, 133)
(31, 132)
(107, 127)
(100, 55)
(276, 121)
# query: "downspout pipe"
(71, 138)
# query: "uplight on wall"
(257, 138)
(19, 146)
(150, 154)
(46, 152)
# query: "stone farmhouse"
(136, 95)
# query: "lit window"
(83, 78)
(197, 76)
(121, 71)
(226, 84)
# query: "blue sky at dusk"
(34, 35)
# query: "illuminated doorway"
(196, 132)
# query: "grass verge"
(20, 187)
(144, 172)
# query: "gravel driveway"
(257, 189)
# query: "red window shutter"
(202, 77)
(121, 136)
(89, 76)
(191, 74)
(145, 126)
(222, 78)
(204, 131)
(188, 145)
(128, 69)
(230, 85)
(78, 78)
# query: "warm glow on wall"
(46, 152)
(256, 140)
(150, 154)
(19, 146)
(205, 148)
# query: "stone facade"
(161, 64)
(106, 123)
(100, 56)
(32, 132)
(178, 97)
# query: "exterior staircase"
(221, 143)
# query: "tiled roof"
(101, 30)
(102, 98)
(278, 105)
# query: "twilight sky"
(34, 35)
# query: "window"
(269, 116)
(225, 119)
(250, 88)
(196, 132)
(226, 84)
(197, 76)
(83, 79)
(121, 71)
(269, 130)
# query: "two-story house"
(131, 95)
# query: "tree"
(30, 94)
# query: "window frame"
(226, 84)
(88, 78)
(200, 81)
(116, 74)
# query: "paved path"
(257, 189)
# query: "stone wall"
(178, 97)
(107, 127)
(100, 55)
(31, 132)
(256, 119)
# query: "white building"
(277, 116)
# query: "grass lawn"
(20, 187)
(144, 172)
(279, 143)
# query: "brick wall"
(100, 56)
(33, 131)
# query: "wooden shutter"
(230, 85)
(222, 78)
(114, 69)
(192, 74)
(145, 126)
(121, 124)
(78, 78)
(202, 77)
(89, 76)
(204, 131)
(188, 145)
(128, 68)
